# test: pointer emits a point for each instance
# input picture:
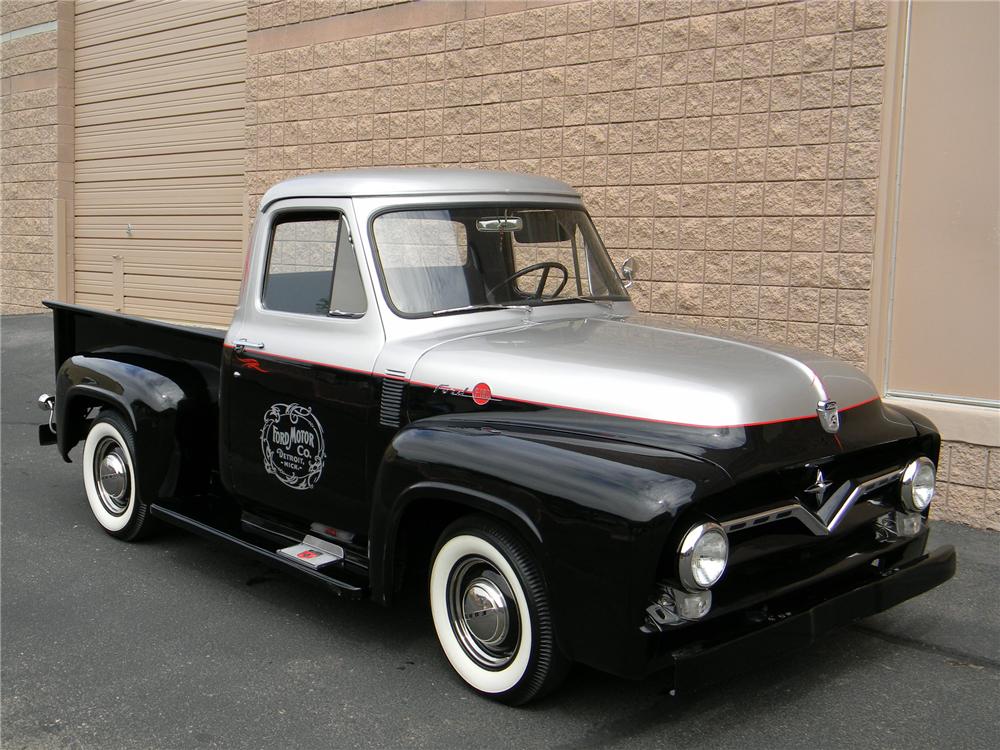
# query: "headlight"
(702, 556)
(917, 487)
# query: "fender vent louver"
(392, 398)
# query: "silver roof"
(377, 181)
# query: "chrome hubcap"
(483, 612)
(111, 472)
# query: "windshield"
(482, 257)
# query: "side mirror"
(628, 271)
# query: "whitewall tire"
(491, 614)
(110, 478)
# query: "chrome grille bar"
(835, 509)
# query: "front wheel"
(109, 476)
(491, 612)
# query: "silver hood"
(628, 369)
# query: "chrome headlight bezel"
(909, 489)
(689, 547)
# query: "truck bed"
(189, 357)
(86, 330)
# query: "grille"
(392, 399)
(828, 516)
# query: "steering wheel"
(544, 267)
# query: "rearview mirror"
(628, 271)
(499, 224)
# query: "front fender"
(150, 401)
(596, 513)
(928, 432)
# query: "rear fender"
(150, 401)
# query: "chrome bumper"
(703, 663)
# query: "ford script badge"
(828, 416)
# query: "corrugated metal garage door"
(160, 98)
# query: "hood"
(633, 370)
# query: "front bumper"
(791, 627)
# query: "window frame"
(282, 216)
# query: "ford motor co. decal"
(292, 442)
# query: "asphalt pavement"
(178, 643)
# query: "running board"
(323, 576)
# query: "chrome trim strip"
(777, 514)
(833, 509)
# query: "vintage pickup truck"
(439, 373)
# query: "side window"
(305, 251)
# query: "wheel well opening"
(420, 526)
(80, 412)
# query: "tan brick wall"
(262, 14)
(731, 147)
(33, 136)
(968, 489)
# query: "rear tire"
(491, 612)
(110, 478)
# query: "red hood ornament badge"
(481, 394)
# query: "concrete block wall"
(968, 489)
(262, 14)
(35, 147)
(27, 153)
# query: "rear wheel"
(109, 476)
(491, 612)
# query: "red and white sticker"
(481, 394)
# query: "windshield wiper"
(609, 304)
(466, 308)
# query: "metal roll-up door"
(160, 147)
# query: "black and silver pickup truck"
(438, 374)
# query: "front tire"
(110, 478)
(491, 612)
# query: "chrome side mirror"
(628, 271)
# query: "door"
(300, 393)
(160, 147)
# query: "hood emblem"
(819, 487)
(480, 393)
(828, 415)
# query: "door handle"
(241, 345)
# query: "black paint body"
(601, 501)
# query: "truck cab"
(438, 375)
(344, 294)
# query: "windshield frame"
(484, 201)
